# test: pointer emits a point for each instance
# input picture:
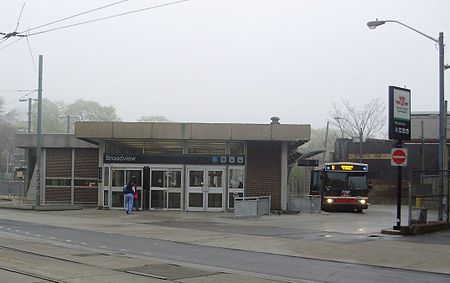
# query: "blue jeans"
(129, 203)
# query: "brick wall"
(55, 194)
(86, 163)
(263, 175)
(58, 162)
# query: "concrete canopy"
(96, 131)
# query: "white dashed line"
(123, 250)
(103, 247)
(52, 238)
(68, 241)
(8, 229)
(83, 243)
(27, 233)
(17, 230)
(38, 235)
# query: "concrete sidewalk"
(300, 235)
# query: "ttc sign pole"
(400, 130)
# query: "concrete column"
(284, 175)
(101, 152)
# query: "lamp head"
(374, 24)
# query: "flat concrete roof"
(51, 141)
(96, 131)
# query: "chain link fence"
(428, 202)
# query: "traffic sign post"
(400, 130)
(399, 158)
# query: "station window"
(58, 182)
(206, 148)
(86, 182)
(236, 178)
(237, 148)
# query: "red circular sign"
(398, 156)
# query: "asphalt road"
(246, 261)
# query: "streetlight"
(442, 114)
(29, 111)
(68, 120)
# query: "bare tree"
(360, 123)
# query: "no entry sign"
(399, 156)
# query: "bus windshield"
(346, 180)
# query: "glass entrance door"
(165, 189)
(205, 189)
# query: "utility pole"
(325, 142)
(39, 134)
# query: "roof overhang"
(94, 132)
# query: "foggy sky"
(239, 61)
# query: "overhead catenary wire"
(31, 54)
(11, 43)
(76, 15)
(21, 97)
(108, 17)
(20, 15)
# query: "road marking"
(123, 250)
(52, 238)
(103, 247)
(17, 230)
(8, 229)
(1, 227)
(147, 253)
(27, 233)
(68, 241)
(38, 235)
(83, 243)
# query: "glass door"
(119, 177)
(205, 189)
(165, 189)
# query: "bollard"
(418, 202)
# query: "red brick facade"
(58, 165)
(263, 176)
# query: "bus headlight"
(329, 200)
(362, 201)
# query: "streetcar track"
(29, 274)
(34, 275)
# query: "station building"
(179, 166)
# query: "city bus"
(341, 186)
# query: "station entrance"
(186, 187)
(205, 189)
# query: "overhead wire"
(109, 17)
(31, 54)
(21, 97)
(76, 15)
(11, 43)
(20, 15)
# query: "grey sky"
(237, 61)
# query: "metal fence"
(426, 201)
(12, 188)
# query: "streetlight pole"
(29, 111)
(39, 134)
(360, 144)
(442, 111)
